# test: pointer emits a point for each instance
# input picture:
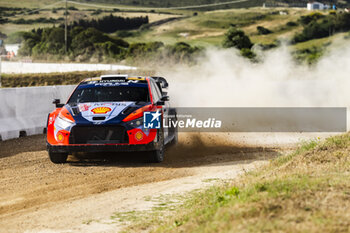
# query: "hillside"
(141, 3)
(179, 3)
(173, 27)
(216, 4)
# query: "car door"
(165, 108)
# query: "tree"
(236, 38)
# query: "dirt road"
(30, 183)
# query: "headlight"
(136, 123)
(63, 123)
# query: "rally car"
(112, 113)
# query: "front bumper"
(103, 148)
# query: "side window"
(155, 92)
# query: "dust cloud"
(222, 78)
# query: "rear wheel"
(58, 157)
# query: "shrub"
(96, 12)
(236, 38)
(315, 30)
(248, 53)
(85, 41)
(292, 24)
(322, 26)
(181, 52)
(82, 43)
(110, 23)
(309, 55)
(306, 19)
(3, 20)
(263, 31)
(72, 8)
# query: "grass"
(311, 51)
(163, 206)
(208, 28)
(305, 191)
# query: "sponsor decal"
(113, 80)
(151, 120)
(101, 110)
(83, 107)
(51, 119)
(112, 104)
(60, 137)
(111, 84)
(138, 136)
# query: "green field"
(208, 28)
(197, 28)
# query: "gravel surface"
(30, 183)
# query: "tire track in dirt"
(29, 181)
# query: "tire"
(157, 156)
(173, 141)
(58, 157)
(176, 137)
(174, 131)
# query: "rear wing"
(161, 82)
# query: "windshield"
(110, 94)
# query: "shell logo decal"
(101, 110)
(138, 136)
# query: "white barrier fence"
(24, 111)
(23, 67)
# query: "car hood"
(103, 112)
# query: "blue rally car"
(112, 113)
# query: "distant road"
(23, 67)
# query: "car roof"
(115, 78)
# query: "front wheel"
(58, 157)
(157, 156)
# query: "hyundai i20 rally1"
(113, 113)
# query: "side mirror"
(164, 98)
(57, 103)
(160, 103)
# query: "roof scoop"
(119, 77)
